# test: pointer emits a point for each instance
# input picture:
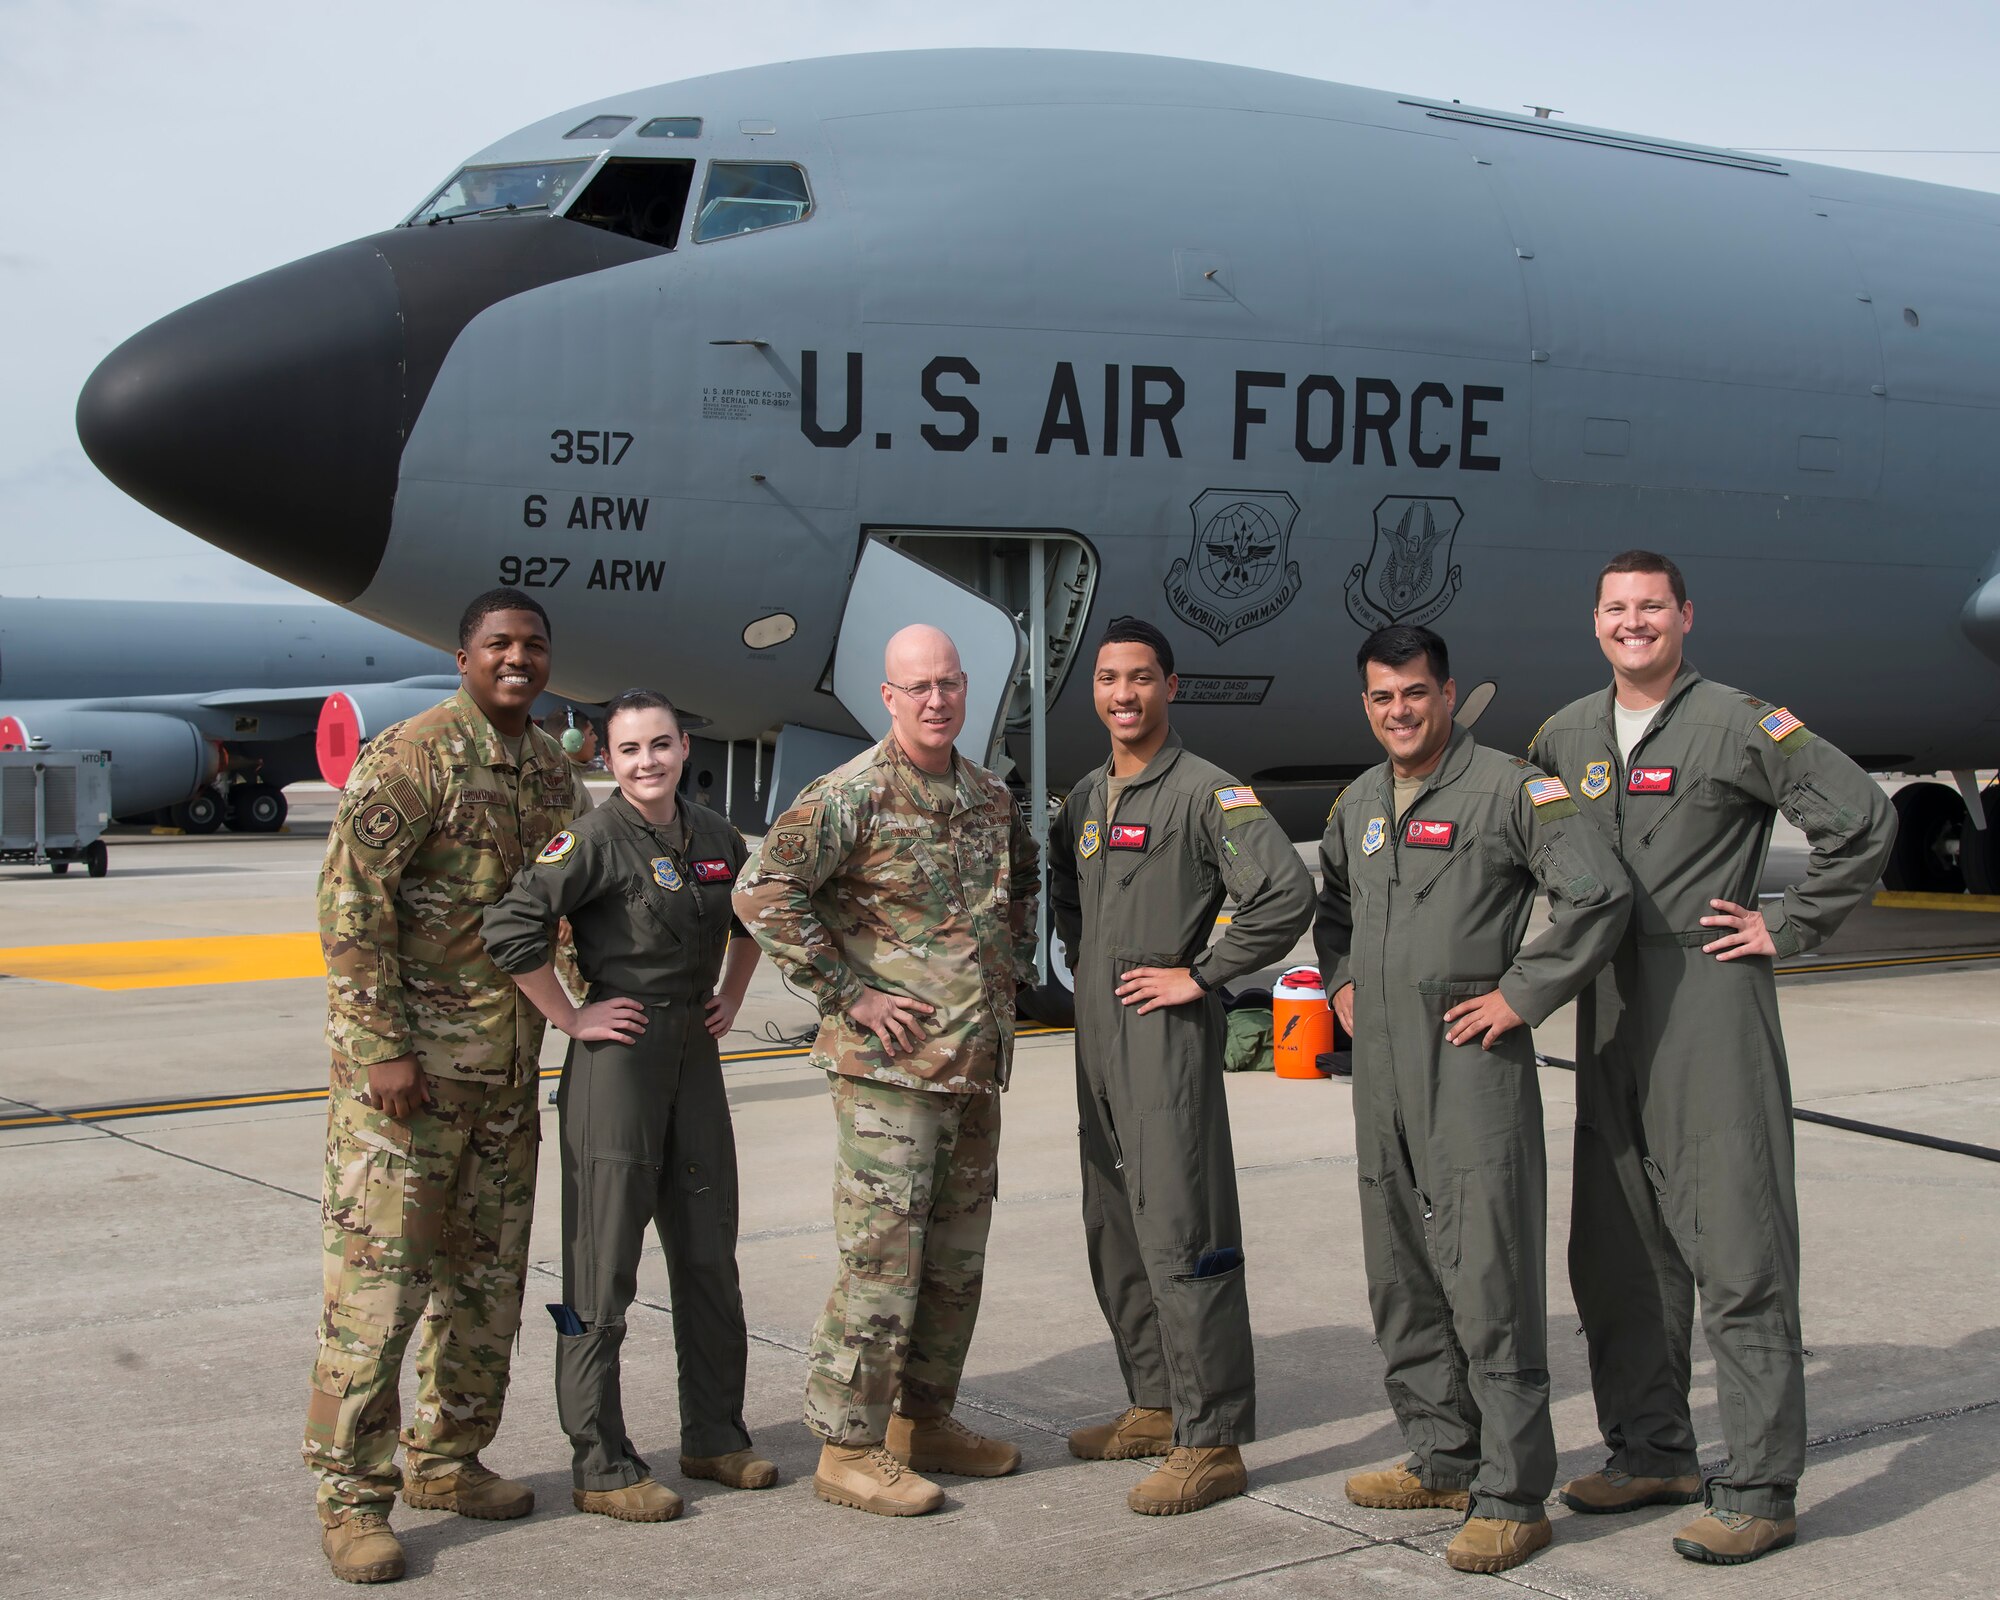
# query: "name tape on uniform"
(1129, 835)
(1650, 780)
(1429, 835)
(712, 872)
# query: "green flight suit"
(1683, 1174)
(1419, 913)
(646, 1137)
(1160, 1217)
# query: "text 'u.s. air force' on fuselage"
(1268, 360)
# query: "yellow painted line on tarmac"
(1911, 900)
(169, 963)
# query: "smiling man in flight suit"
(1683, 1113)
(1139, 861)
(432, 1126)
(1430, 867)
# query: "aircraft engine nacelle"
(156, 760)
(351, 717)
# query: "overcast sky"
(163, 151)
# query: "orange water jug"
(1301, 1024)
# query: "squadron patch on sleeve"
(788, 847)
(379, 824)
(557, 849)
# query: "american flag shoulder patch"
(1546, 791)
(1236, 796)
(1780, 723)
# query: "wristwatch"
(1200, 982)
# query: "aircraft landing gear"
(257, 807)
(201, 812)
(1938, 850)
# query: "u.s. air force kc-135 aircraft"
(1269, 360)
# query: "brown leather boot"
(648, 1500)
(1730, 1538)
(471, 1491)
(1137, 1431)
(868, 1478)
(740, 1469)
(359, 1546)
(944, 1444)
(1400, 1489)
(1611, 1490)
(1191, 1477)
(1493, 1544)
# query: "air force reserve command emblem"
(1374, 834)
(1235, 575)
(1596, 780)
(1089, 840)
(1408, 576)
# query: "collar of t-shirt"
(1406, 791)
(1114, 786)
(1631, 726)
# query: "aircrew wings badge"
(1596, 780)
(1373, 835)
(1088, 841)
(665, 874)
(1546, 791)
(557, 849)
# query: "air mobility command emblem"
(557, 849)
(1087, 843)
(1596, 780)
(1373, 835)
(665, 874)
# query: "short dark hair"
(1136, 630)
(1644, 561)
(483, 606)
(639, 700)
(1397, 644)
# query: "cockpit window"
(642, 199)
(743, 196)
(599, 128)
(672, 128)
(495, 191)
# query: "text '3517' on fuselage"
(1268, 360)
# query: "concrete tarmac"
(160, 1278)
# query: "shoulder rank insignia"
(1089, 840)
(1596, 780)
(1780, 724)
(1546, 791)
(1374, 834)
(557, 849)
(665, 874)
(1237, 796)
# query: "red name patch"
(1650, 780)
(712, 872)
(1129, 835)
(1429, 835)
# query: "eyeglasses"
(950, 688)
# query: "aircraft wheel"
(1931, 825)
(199, 813)
(96, 859)
(59, 868)
(258, 808)
(1979, 850)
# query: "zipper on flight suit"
(1673, 805)
(1146, 860)
(1449, 862)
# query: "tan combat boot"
(1493, 1544)
(1400, 1489)
(645, 1501)
(1730, 1538)
(944, 1444)
(1191, 1477)
(360, 1547)
(1611, 1490)
(740, 1469)
(471, 1491)
(1137, 1431)
(868, 1478)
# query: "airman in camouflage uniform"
(426, 1213)
(902, 900)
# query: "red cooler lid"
(338, 741)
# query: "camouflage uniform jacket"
(433, 825)
(865, 883)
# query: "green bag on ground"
(1249, 1044)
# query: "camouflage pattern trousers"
(915, 1172)
(424, 1221)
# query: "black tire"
(1979, 848)
(258, 808)
(59, 868)
(1931, 824)
(199, 813)
(96, 859)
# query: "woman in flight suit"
(644, 880)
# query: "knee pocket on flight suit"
(1170, 1190)
(875, 1223)
(1729, 1209)
(1378, 1247)
(1481, 1220)
(1210, 1318)
(707, 1221)
(615, 1198)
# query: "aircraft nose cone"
(266, 419)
